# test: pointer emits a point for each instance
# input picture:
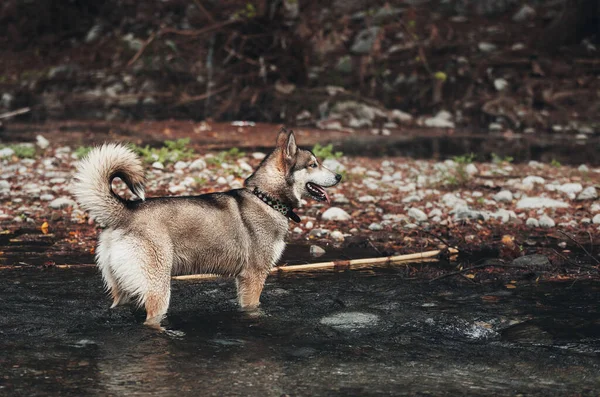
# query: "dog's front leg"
(250, 284)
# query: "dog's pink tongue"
(327, 197)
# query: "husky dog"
(239, 233)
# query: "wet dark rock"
(532, 260)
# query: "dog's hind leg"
(250, 284)
(103, 259)
(158, 294)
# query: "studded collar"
(277, 205)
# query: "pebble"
(197, 165)
(504, 196)
(532, 260)
(4, 186)
(366, 199)
(318, 232)
(158, 165)
(61, 202)
(180, 165)
(337, 235)
(596, 219)
(532, 222)
(540, 202)
(570, 188)
(546, 221)
(441, 120)
(46, 197)
(589, 193)
(316, 251)
(6, 152)
(471, 169)
(221, 181)
(335, 214)
(532, 180)
(583, 168)
(595, 208)
(375, 227)
(451, 200)
(42, 142)
(309, 225)
(258, 155)
(417, 215)
(435, 212)
(411, 199)
(334, 165)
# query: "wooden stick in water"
(343, 264)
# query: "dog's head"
(291, 173)
(304, 173)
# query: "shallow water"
(367, 333)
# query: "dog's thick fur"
(231, 233)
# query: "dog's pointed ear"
(290, 146)
(282, 137)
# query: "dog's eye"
(313, 165)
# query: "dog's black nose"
(338, 177)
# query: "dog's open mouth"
(317, 192)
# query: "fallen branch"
(142, 49)
(202, 97)
(14, 113)
(346, 264)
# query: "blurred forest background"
(487, 65)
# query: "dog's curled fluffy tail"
(92, 185)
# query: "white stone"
(417, 215)
(596, 219)
(6, 152)
(471, 169)
(500, 84)
(177, 189)
(221, 181)
(486, 47)
(504, 196)
(158, 165)
(245, 166)
(335, 214)
(435, 212)
(411, 199)
(309, 225)
(400, 116)
(546, 221)
(4, 186)
(198, 165)
(61, 202)
(540, 202)
(258, 155)
(375, 226)
(180, 165)
(337, 235)
(47, 197)
(525, 12)
(334, 165)
(441, 120)
(589, 193)
(42, 142)
(532, 180)
(570, 188)
(366, 199)
(451, 200)
(316, 251)
(595, 208)
(532, 222)
(583, 168)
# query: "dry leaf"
(44, 228)
(510, 286)
(469, 275)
